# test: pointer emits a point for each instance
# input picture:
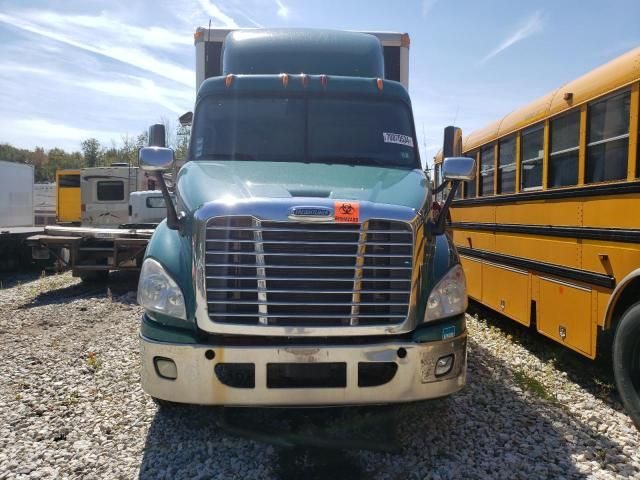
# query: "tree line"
(92, 153)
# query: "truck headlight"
(448, 297)
(158, 292)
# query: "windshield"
(297, 129)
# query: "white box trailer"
(209, 46)
(16, 194)
(16, 214)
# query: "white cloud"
(532, 25)
(218, 15)
(151, 36)
(140, 89)
(283, 10)
(106, 46)
(427, 6)
(27, 132)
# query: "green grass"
(532, 385)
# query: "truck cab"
(301, 264)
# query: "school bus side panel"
(564, 314)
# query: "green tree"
(91, 151)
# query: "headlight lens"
(158, 292)
(449, 296)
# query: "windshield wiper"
(227, 156)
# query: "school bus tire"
(626, 360)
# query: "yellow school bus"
(549, 232)
(68, 196)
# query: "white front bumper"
(197, 382)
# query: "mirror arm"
(172, 217)
(439, 225)
(441, 187)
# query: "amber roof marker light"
(305, 79)
(324, 80)
(379, 83)
(229, 80)
(285, 79)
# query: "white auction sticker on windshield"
(397, 138)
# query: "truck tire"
(94, 276)
(626, 361)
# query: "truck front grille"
(307, 275)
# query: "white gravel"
(72, 407)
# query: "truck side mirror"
(455, 169)
(157, 135)
(459, 168)
(452, 145)
(156, 159)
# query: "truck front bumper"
(355, 374)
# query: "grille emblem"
(311, 214)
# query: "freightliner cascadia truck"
(302, 262)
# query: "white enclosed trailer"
(16, 194)
(16, 214)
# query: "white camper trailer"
(105, 194)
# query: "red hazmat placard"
(346, 212)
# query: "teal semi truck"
(302, 262)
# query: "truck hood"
(201, 182)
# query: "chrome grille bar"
(298, 279)
(284, 242)
(282, 254)
(303, 230)
(355, 290)
(244, 265)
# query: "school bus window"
(486, 171)
(563, 157)
(110, 191)
(470, 187)
(69, 181)
(531, 153)
(507, 165)
(608, 138)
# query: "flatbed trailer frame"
(14, 253)
(91, 252)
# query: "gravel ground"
(71, 407)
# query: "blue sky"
(73, 69)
